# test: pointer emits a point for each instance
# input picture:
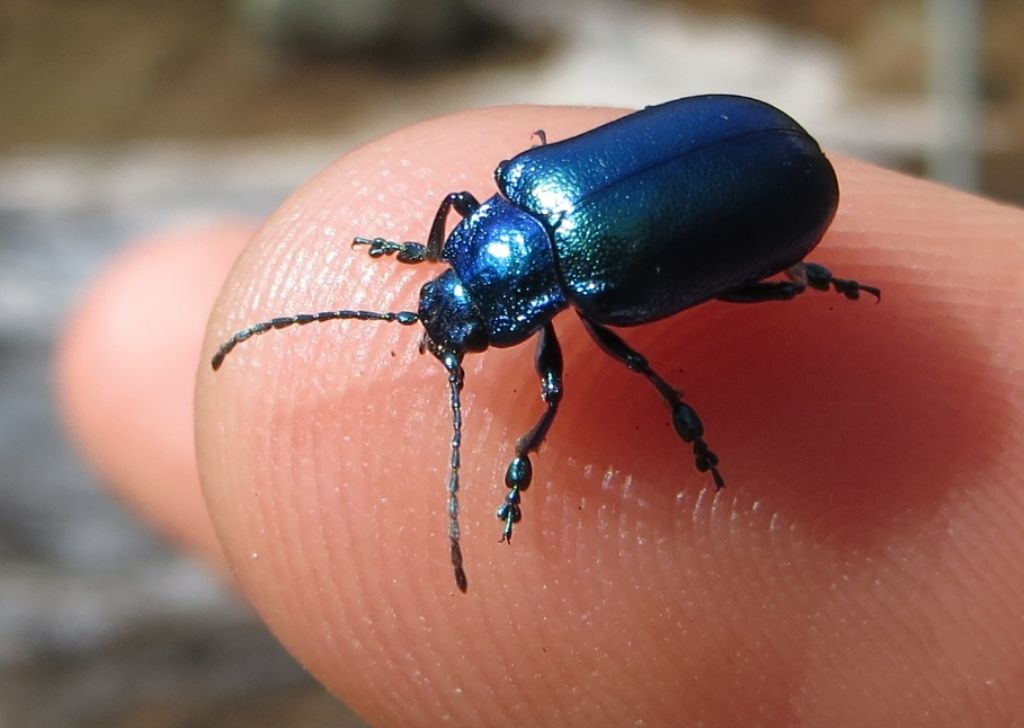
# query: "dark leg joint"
(518, 477)
(691, 430)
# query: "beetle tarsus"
(820, 278)
(407, 252)
(517, 479)
(511, 513)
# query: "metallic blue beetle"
(696, 199)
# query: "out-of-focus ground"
(119, 117)
(106, 72)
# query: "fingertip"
(325, 452)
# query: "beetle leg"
(464, 204)
(408, 252)
(520, 470)
(820, 278)
(801, 277)
(684, 418)
(412, 252)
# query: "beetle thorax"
(504, 263)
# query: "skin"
(864, 566)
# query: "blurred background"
(120, 117)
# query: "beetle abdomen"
(663, 209)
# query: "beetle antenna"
(406, 318)
(453, 363)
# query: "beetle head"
(449, 317)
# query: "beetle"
(696, 199)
